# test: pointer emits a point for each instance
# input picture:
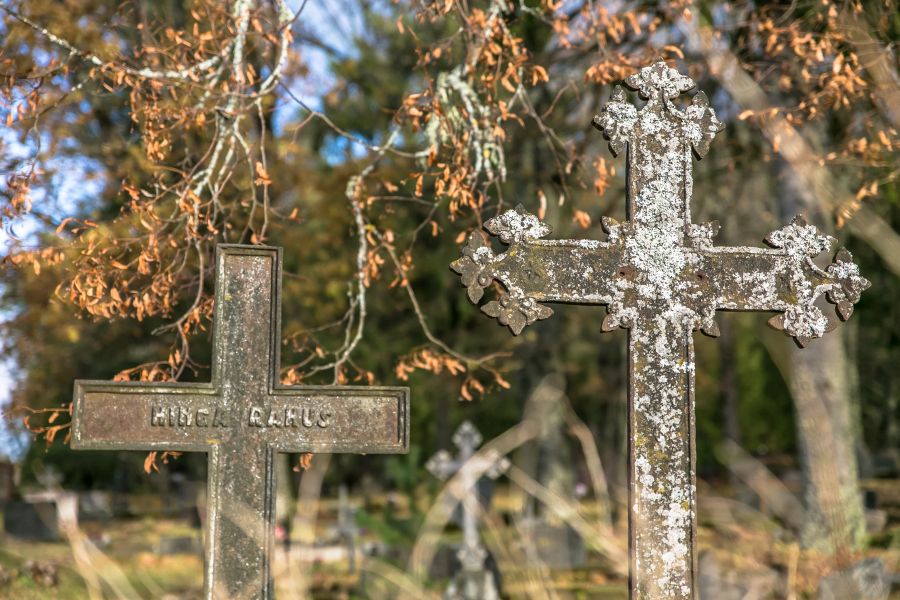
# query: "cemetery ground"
(746, 551)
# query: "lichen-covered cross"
(661, 278)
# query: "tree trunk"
(820, 389)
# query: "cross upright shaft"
(661, 278)
(241, 418)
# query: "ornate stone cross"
(475, 582)
(661, 278)
(240, 419)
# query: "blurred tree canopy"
(368, 139)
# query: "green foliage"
(766, 413)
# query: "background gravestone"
(867, 579)
(549, 458)
(95, 505)
(7, 481)
(348, 530)
(37, 520)
(557, 545)
(179, 544)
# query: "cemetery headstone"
(241, 419)
(556, 544)
(49, 477)
(660, 277)
(45, 514)
(716, 582)
(7, 481)
(474, 582)
(179, 544)
(347, 527)
(32, 520)
(95, 505)
(867, 579)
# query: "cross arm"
(348, 419)
(785, 279)
(109, 415)
(533, 270)
(442, 465)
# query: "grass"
(745, 543)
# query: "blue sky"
(74, 180)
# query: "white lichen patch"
(659, 79)
(844, 270)
(586, 244)
(517, 225)
(617, 120)
(807, 321)
(482, 255)
(800, 240)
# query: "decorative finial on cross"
(659, 84)
(659, 79)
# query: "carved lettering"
(181, 416)
(219, 419)
(257, 416)
(290, 417)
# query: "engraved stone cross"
(661, 278)
(240, 419)
(474, 583)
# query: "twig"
(186, 74)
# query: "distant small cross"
(472, 554)
(661, 278)
(240, 419)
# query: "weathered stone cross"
(474, 582)
(240, 419)
(661, 278)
